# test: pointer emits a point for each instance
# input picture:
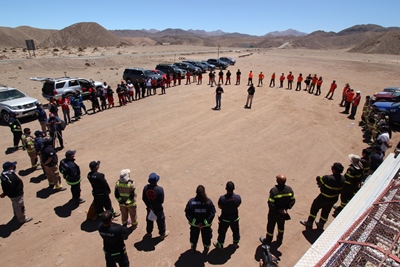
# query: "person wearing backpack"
(72, 174)
(54, 124)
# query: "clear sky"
(256, 17)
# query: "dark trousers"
(67, 117)
(143, 92)
(343, 101)
(206, 235)
(325, 205)
(101, 203)
(137, 94)
(76, 191)
(58, 135)
(289, 85)
(311, 89)
(272, 83)
(121, 259)
(223, 227)
(347, 107)
(281, 84)
(16, 138)
(353, 111)
(77, 112)
(298, 86)
(217, 101)
(275, 218)
(250, 81)
(160, 222)
(318, 92)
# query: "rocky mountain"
(288, 32)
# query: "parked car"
(219, 64)
(170, 68)
(228, 60)
(188, 67)
(391, 109)
(198, 64)
(56, 87)
(386, 96)
(13, 100)
(392, 89)
(139, 73)
(161, 73)
(210, 66)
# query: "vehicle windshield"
(396, 104)
(149, 73)
(10, 95)
(396, 94)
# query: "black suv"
(169, 68)
(138, 73)
(188, 67)
(218, 63)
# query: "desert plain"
(179, 137)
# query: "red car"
(386, 97)
(159, 72)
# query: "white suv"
(13, 100)
(56, 87)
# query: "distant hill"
(366, 38)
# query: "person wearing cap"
(331, 90)
(281, 199)
(352, 183)
(16, 129)
(354, 104)
(41, 116)
(229, 204)
(125, 193)
(29, 146)
(238, 74)
(330, 187)
(53, 106)
(55, 131)
(113, 235)
(200, 212)
(13, 187)
(349, 99)
(290, 79)
(346, 89)
(299, 80)
(218, 95)
(384, 138)
(49, 159)
(153, 198)
(72, 174)
(250, 94)
(101, 190)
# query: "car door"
(83, 85)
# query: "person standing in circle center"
(153, 197)
(200, 212)
(218, 95)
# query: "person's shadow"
(38, 179)
(46, 192)
(11, 226)
(26, 172)
(65, 210)
(190, 258)
(147, 243)
(219, 257)
(90, 225)
(312, 234)
(10, 150)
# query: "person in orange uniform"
(272, 82)
(299, 80)
(250, 80)
(319, 83)
(331, 90)
(313, 83)
(281, 79)
(260, 79)
(349, 100)
(290, 79)
(187, 77)
(354, 104)
(344, 93)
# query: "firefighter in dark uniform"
(101, 189)
(200, 212)
(113, 236)
(352, 183)
(153, 198)
(16, 129)
(366, 162)
(281, 198)
(330, 188)
(72, 174)
(229, 204)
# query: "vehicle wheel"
(69, 95)
(5, 117)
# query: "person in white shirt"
(384, 137)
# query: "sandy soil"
(178, 136)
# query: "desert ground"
(179, 137)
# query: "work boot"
(320, 225)
(279, 239)
(79, 201)
(163, 236)
(218, 245)
(27, 219)
(266, 241)
(306, 223)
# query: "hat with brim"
(8, 165)
(94, 164)
(355, 161)
(124, 175)
(153, 178)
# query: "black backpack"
(63, 125)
